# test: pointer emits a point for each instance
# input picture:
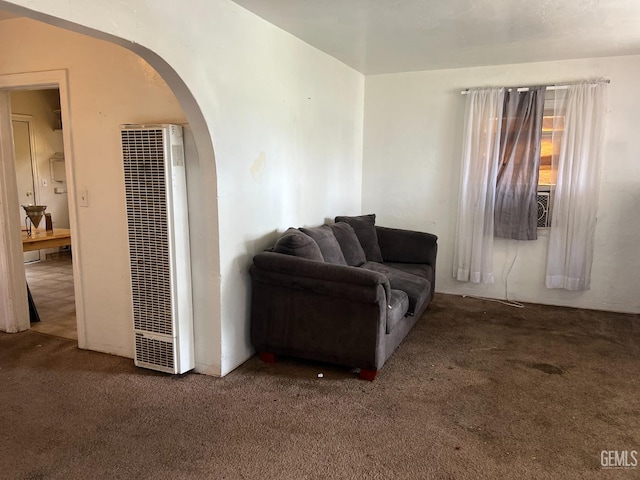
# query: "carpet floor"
(478, 390)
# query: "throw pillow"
(294, 242)
(326, 240)
(349, 244)
(364, 227)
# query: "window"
(552, 130)
(577, 128)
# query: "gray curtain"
(516, 206)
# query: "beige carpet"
(477, 390)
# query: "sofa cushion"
(365, 230)
(349, 244)
(294, 242)
(421, 269)
(417, 288)
(397, 308)
(326, 240)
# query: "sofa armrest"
(319, 311)
(407, 246)
(327, 278)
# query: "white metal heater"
(158, 225)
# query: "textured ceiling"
(386, 36)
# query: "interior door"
(25, 173)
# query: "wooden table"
(42, 238)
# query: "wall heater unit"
(157, 218)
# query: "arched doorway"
(202, 189)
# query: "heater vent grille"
(544, 216)
(145, 184)
(158, 227)
(155, 352)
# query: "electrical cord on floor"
(506, 283)
(506, 302)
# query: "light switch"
(44, 182)
(84, 198)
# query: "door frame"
(38, 81)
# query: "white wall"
(413, 131)
(286, 124)
(288, 143)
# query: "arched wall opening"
(202, 186)
(288, 124)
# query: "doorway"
(41, 180)
(12, 268)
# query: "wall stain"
(258, 166)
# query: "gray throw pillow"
(349, 243)
(294, 242)
(326, 240)
(364, 226)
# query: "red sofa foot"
(267, 357)
(369, 375)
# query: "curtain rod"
(549, 87)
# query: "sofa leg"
(267, 357)
(369, 375)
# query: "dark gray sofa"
(346, 293)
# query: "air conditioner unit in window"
(544, 214)
(158, 226)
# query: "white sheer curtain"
(473, 254)
(575, 202)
